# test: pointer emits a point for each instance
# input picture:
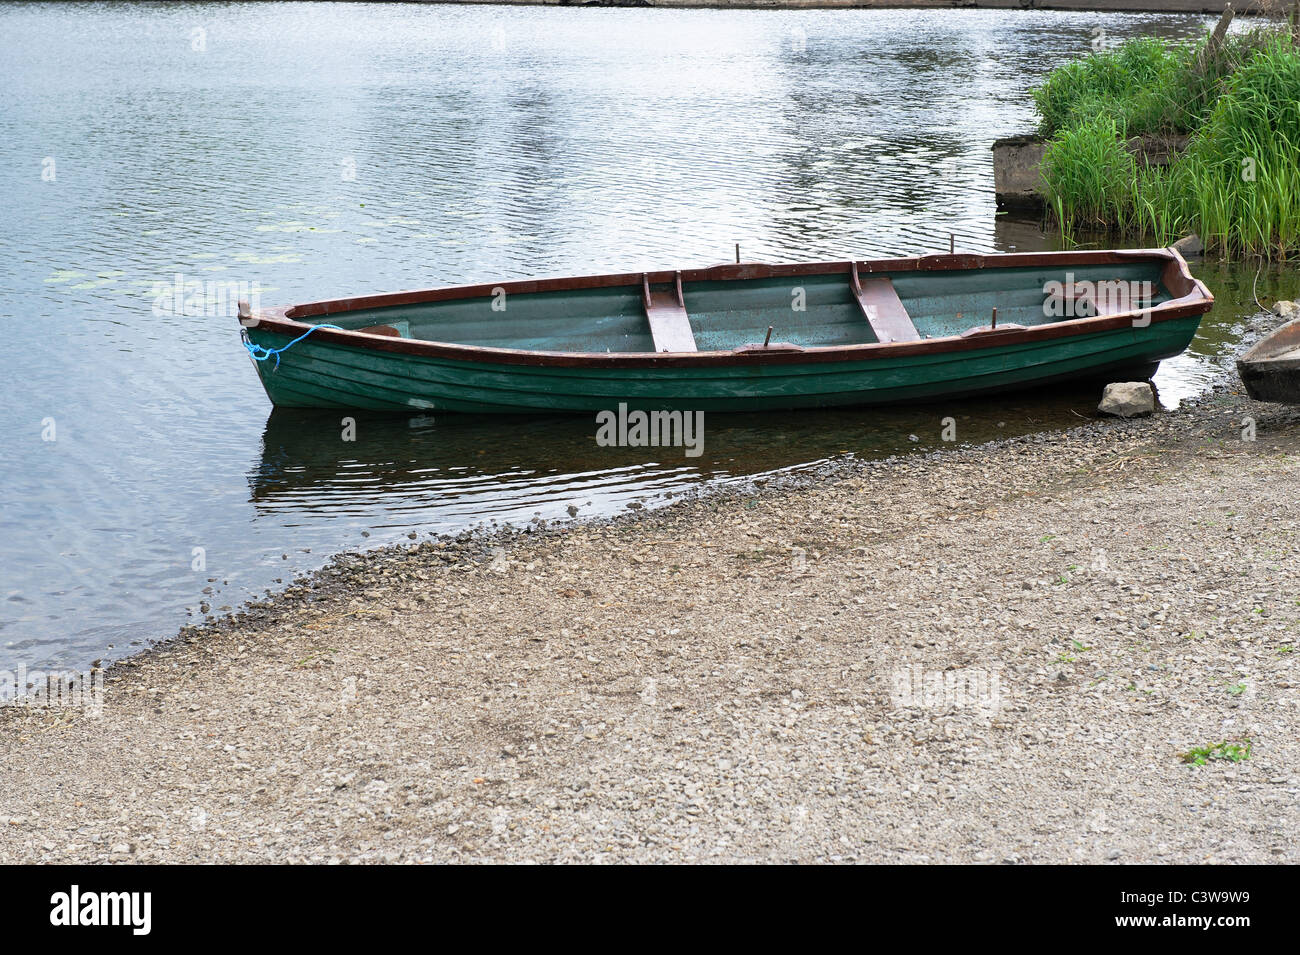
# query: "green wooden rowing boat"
(741, 337)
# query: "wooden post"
(1215, 41)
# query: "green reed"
(1237, 183)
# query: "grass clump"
(1122, 83)
(1237, 183)
(1089, 171)
(1240, 177)
(1228, 751)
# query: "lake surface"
(324, 150)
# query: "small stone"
(1287, 310)
(1190, 245)
(1128, 399)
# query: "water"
(326, 150)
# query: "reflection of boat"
(304, 464)
(302, 454)
(456, 471)
(1271, 370)
(463, 464)
(734, 337)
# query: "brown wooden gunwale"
(1191, 298)
(1276, 345)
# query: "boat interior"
(665, 313)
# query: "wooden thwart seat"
(665, 309)
(386, 330)
(1086, 299)
(883, 308)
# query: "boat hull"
(318, 374)
(1271, 370)
(1276, 381)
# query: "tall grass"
(1240, 176)
(1238, 182)
(1089, 171)
(1110, 83)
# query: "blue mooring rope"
(261, 353)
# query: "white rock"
(1128, 399)
(1287, 310)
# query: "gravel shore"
(993, 654)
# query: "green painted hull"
(313, 375)
(589, 344)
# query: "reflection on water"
(326, 150)
(449, 473)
